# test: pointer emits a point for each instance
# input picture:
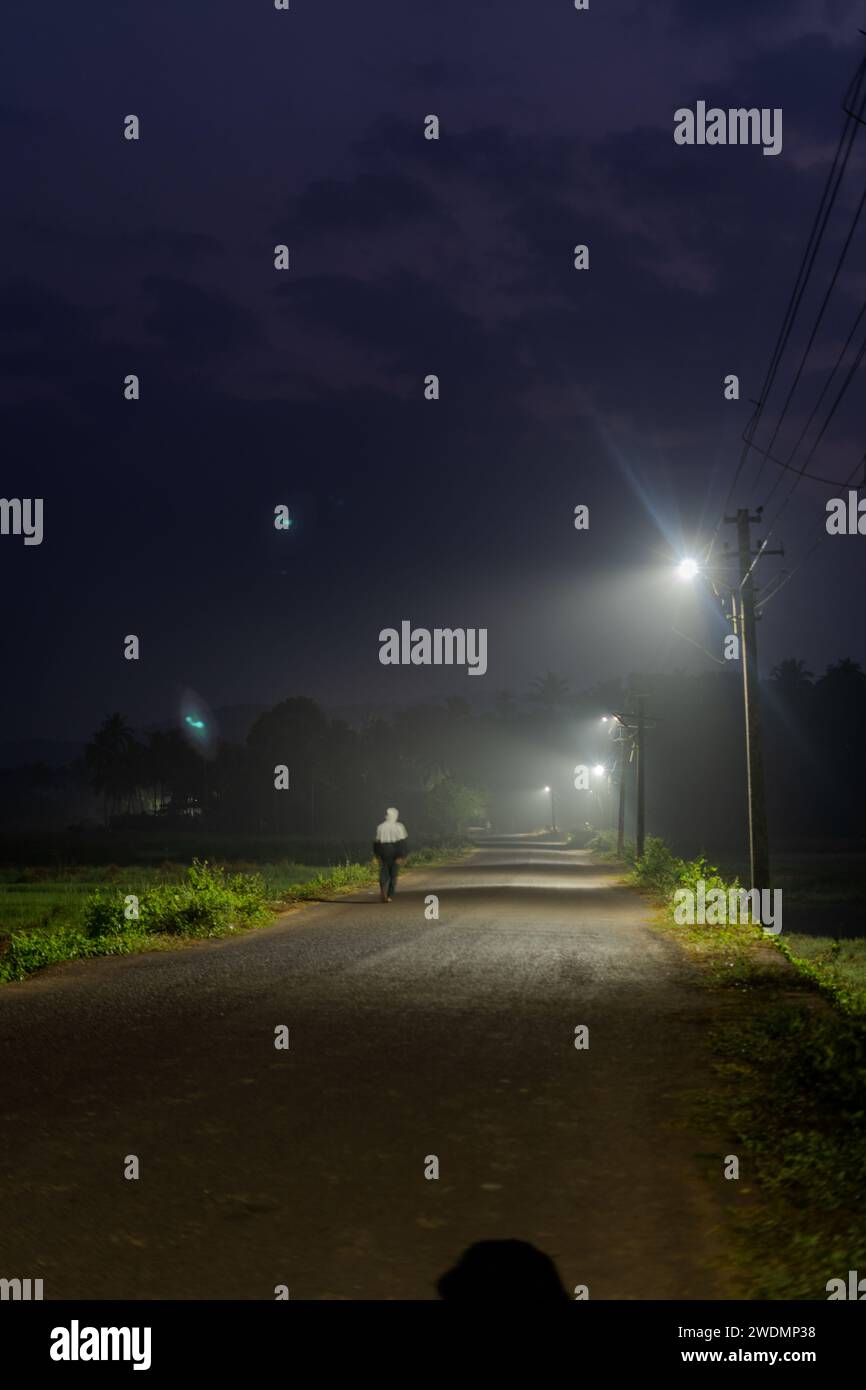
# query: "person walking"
(390, 846)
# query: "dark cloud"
(192, 320)
(409, 257)
(13, 118)
(388, 314)
(773, 18)
(435, 75)
(168, 243)
(45, 338)
(370, 202)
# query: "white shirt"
(391, 830)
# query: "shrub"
(604, 843)
(205, 902)
(657, 867)
(695, 871)
(104, 916)
(663, 871)
(26, 951)
(209, 901)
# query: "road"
(409, 1038)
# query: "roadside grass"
(792, 1068)
(836, 965)
(49, 915)
(794, 1082)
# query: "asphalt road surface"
(409, 1038)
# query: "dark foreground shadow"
(498, 1270)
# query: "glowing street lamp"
(599, 770)
(687, 568)
(552, 807)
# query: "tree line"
(447, 767)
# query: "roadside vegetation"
(793, 1071)
(49, 915)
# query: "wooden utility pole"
(640, 833)
(744, 609)
(620, 827)
(636, 725)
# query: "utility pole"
(640, 832)
(744, 615)
(636, 725)
(620, 825)
(626, 737)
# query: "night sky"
(408, 257)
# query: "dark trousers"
(388, 871)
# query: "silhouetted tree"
(112, 763)
(550, 691)
(791, 676)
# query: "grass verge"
(47, 918)
(790, 1066)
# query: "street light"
(743, 615)
(599, 769)
(552, 807)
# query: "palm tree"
(111, 759)
(791, 676)
(550, 691)
(845, 673)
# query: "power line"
(840, 260)
(849, 130)
(813, 477)
(844, 387)
(808, 260)
(861, 462)
(808, 424)
(819, 226)
(687, 638)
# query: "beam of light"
(599, 769)
(662, 510)
(687, 568)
